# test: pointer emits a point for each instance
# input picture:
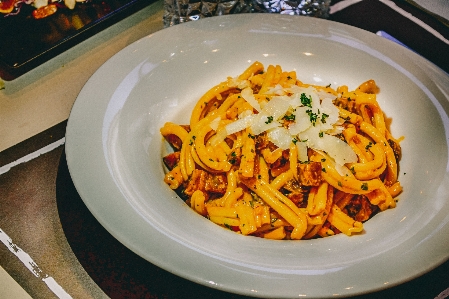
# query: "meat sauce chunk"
(206, 182)
(171, 160)
(309, 174)
(360, 209)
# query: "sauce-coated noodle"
(270, 156)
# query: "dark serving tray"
(25, 42)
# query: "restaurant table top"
(53, 247)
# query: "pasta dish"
(267, 155)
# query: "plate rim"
(70, 148)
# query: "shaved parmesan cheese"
(315, 120)
(239, 125)
(239, 83)
(302, 151)
(298, 89)
(295, 100)
(245, 113)
(335, 130)
(278, 90)
(214, 124)
(248, 95)
(315, 101)
(263, 122)
(339, 150)
(341, 169)
(280, 137)
(219, 137)
(331, 110)
(277, 107)
(302, 121)
(324, 95)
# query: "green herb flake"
(289, 117)
(323, 117)
(352, 170)
(368, 146)
(312, 116)
(306, 101)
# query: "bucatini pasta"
(267, 155)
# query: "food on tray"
(270, 156)
(42, 8)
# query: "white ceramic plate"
(114, 152)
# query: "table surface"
(52, 246)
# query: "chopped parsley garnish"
(313, 116)
(321, 134)
(306, 101)
(270, 119)
(369, 145)
(289, 117)
(323, 117)
(364, 186)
